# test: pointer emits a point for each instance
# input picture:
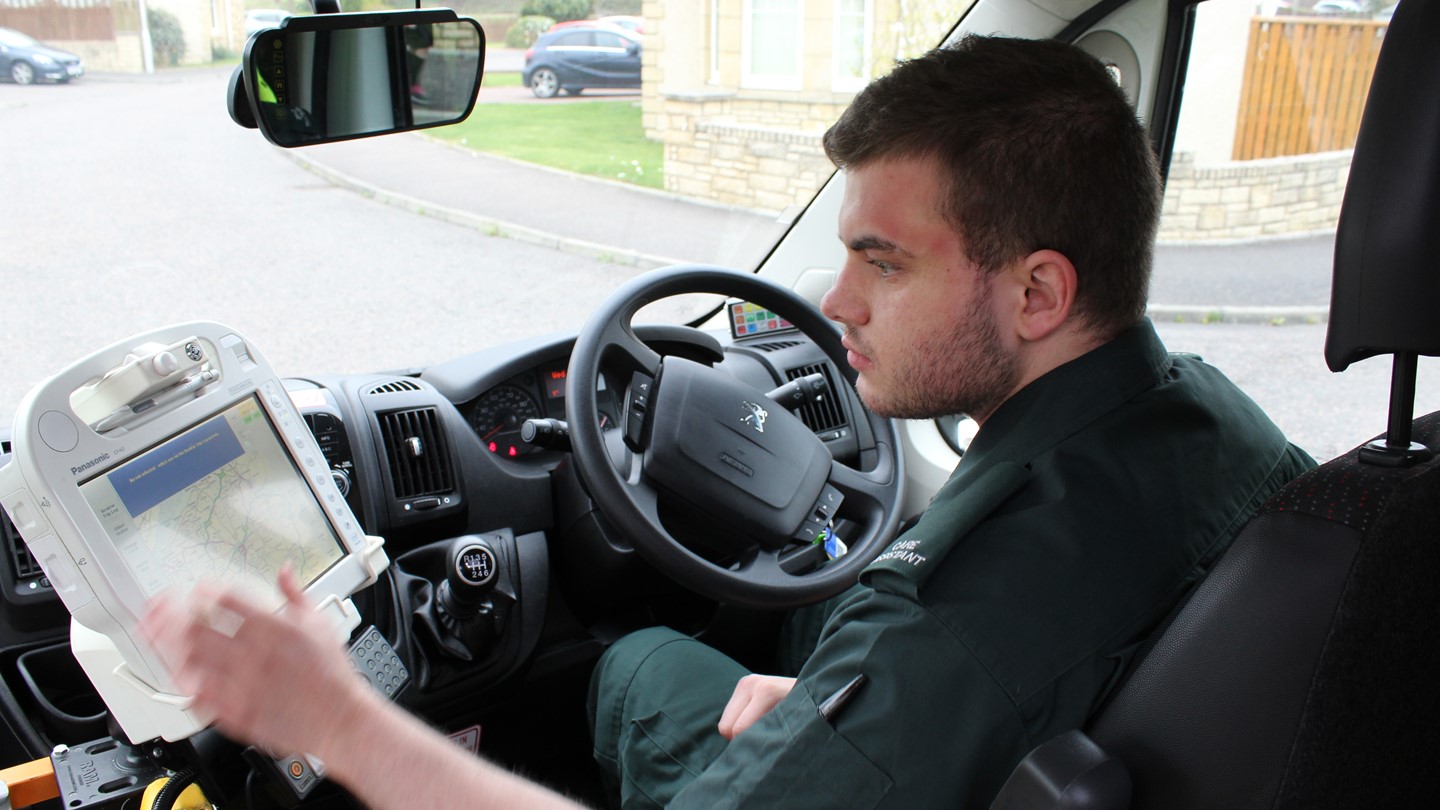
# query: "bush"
(558, 9)
(607, 7)
(167, 39)
(496, 27)
(526, 30)
(472, 8)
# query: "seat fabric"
(1303, 672)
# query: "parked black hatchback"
(573, 59)
(26, 60)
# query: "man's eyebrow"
(877, 244)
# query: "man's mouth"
(857, 358)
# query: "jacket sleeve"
(930, 727)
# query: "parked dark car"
(575, 58)
(26, 60)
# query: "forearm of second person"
(391, 760)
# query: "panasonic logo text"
(100, 459)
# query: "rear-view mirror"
(331, 77)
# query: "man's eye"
(884, 267)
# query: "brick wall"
(1253, 198)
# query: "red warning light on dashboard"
(556, 387)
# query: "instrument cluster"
(497, 415)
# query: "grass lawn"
(502, 79)
(598, 138)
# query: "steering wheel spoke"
(619, 339)
(873, 487)
(642, 494)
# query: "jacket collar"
(1066, 399)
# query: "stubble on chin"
(967, 370)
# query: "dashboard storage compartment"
(67, 706)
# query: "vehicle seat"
(1304, 672)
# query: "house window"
(772, 44)
(851, 55)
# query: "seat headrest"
(1386, 288)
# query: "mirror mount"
(237, 101)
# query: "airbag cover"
(727, 448)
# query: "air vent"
(20, 557)
(774, 345)
(825, 414)
(393, 387)
(419, 458)
(4, 447)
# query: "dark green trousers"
(655, 702)
(656, 698)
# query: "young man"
(999, 210)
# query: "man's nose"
(842, 303)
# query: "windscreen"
(222, 501)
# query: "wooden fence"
(1305, 84)
(62, 20)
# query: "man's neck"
(1038, 358)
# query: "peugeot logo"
(755, 416)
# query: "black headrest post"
(1397, 450)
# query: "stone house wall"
(764, 168)
(118, 55)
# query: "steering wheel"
(703, 440)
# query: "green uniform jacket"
(1085, 508)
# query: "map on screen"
(220, 502)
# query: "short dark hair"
(1043, 151)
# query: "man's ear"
(1049, 282)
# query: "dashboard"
(424, 459)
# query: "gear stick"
(466, 619)
(459, 596)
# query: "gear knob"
(471, 573)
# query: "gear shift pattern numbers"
(476, 565)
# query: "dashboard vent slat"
(21, 559)
(418, 456)
(22, 562)
(774, 345)
(392, 387)
(825, 414)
